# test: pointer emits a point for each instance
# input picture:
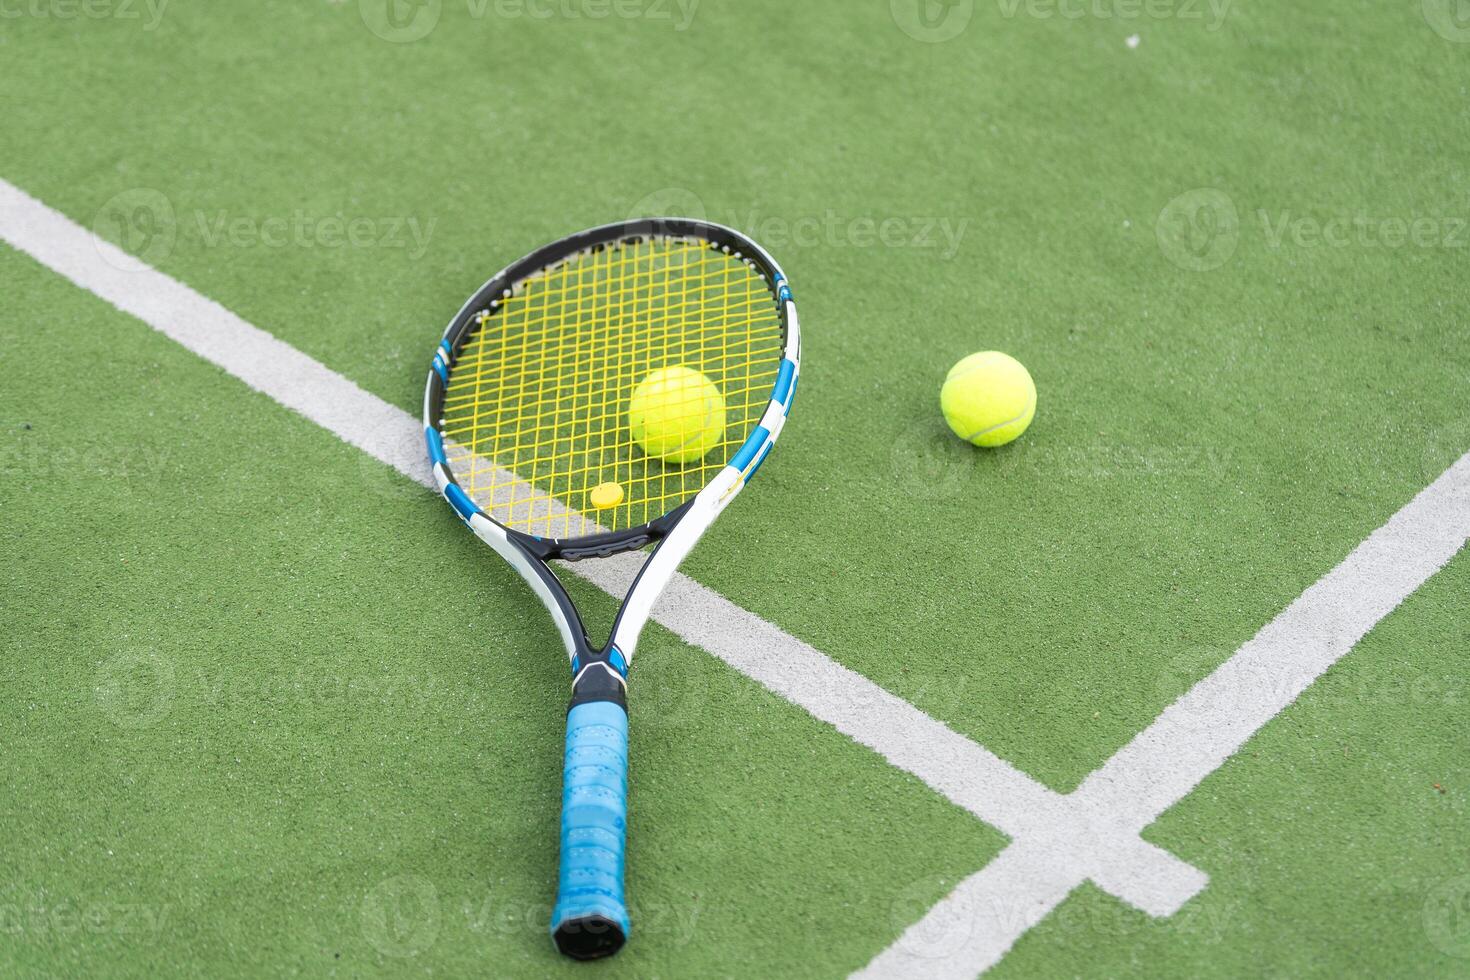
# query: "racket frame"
(600, 675)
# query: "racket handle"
(590, 920)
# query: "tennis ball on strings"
(677, 415)
(988, 398)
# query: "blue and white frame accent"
(724, 488)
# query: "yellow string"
(540, 390)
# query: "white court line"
(974, 926)
(956, 767)
(963, 772)
(1057, 838)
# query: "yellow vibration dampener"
(606, 495)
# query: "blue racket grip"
(590, 919)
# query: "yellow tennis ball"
(677, 415)
(988, 398)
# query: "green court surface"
(267, 709)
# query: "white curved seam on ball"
(709, 421)
(1001, 425)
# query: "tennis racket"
(527, 421)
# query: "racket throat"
(599, 677)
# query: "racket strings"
(537, 400)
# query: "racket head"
(526, 406)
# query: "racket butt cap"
(588, 937)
